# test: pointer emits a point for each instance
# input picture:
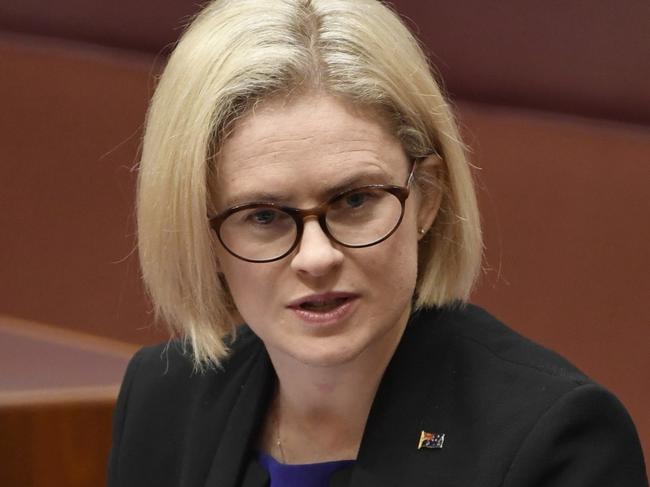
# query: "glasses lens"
(258, 233)
(364, 216)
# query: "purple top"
(306, 475)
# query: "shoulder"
(175, 356)
(164, 401)
(167, 369)
(497, 365)
(481, 339)
(531, 411)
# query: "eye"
(357, 199)
(264, 216)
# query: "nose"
(316, 254)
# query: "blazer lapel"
(408, 402)
(255, 475)
(230, 460)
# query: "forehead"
(304, 146)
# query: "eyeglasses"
(356, 218)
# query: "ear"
(430, 193)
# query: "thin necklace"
(278, 441)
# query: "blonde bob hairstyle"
(237, 53)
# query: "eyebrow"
(283, 198)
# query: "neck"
(320, 412)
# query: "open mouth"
(323, 306)
(325, 309)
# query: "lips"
(322, 302)
(324, 309)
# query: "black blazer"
(513, 414)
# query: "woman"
(301, 173)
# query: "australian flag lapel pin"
(434, 441)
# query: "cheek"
(250, 284)
(394, 267)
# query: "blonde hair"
(237, 53)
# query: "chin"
(325, 354)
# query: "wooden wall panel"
(57, 393)
(70, 131)
(55, 445)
